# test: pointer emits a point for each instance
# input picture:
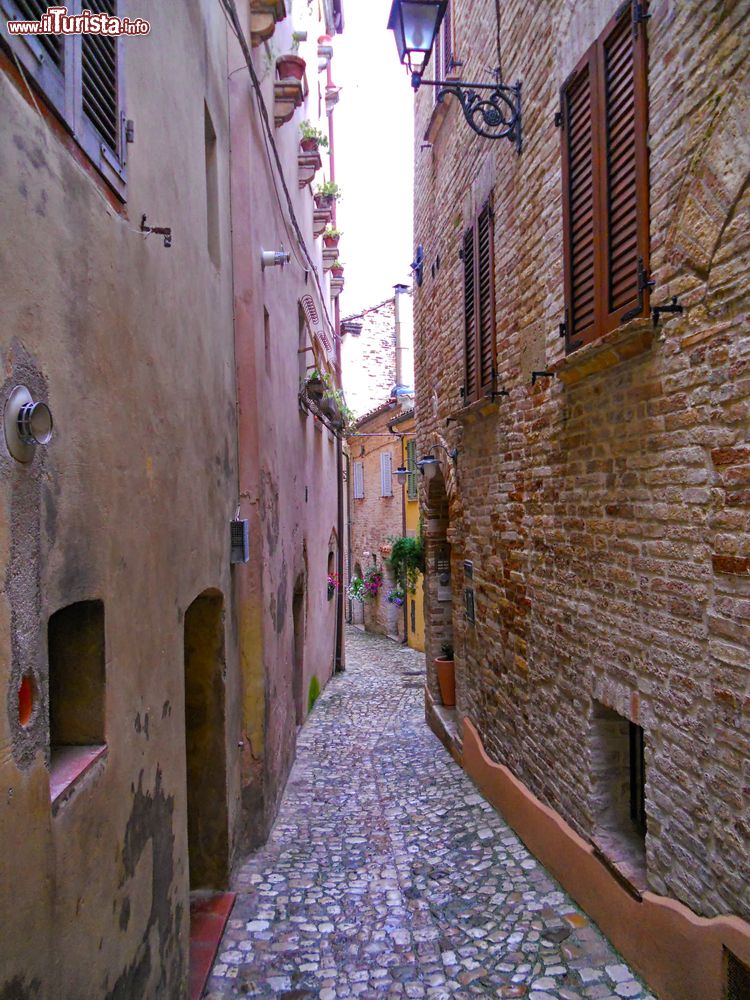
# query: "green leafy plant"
(313, 693)
(309, 131)
(447, 650)
(356, 590)
(329, 189)
(331, 233)
(406, 560)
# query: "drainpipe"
(348, 535)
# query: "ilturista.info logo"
(57, 21)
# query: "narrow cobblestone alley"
(387, 874)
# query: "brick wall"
(375, 519)
(607, 515)
(368, 358)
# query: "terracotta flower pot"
(309, 145)
(331, 241)
(324, 201)
(290, 67)
(337, 272)
(446, 675)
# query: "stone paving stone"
(387, 875)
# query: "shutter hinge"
(645, 283)
(563, 327)
(639, 16)
(558, 119)
(130, 131)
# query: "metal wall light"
(493, 110)
(428, 465)
(274, 258)
(401, 474)
(27, 424)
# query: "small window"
(737, 977)
(412, 488)
(480, 346)
(75, 637)
(604, 115)
(359, 481)
(81, 78)
(618, 783)
(386, 474)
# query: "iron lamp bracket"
(493, 110)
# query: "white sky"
(374, 127)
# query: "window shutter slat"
(579, 202)
(359, 481)
(99, 72)
(411, 465)
(486, 298)
(32, 10)
(386, 475)
(622, 218)
(469, 316)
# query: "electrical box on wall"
(443, 572)
(240, 541)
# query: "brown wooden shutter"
(624, 137)
(470, 347)
(580, 202)
(486, 270)
(447, 44)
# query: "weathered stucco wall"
(288, 459)
(132, 346)
(607, 518)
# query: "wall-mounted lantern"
(27, 424)
(493, 110)
(428, 465)
(401, 474)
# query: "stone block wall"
(607, 510)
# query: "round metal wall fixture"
(27, 424)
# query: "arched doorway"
(205, 743)
(299, 616)
(438, 591)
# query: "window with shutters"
(81, 78)
(359, 480)
(480, 345)
(604, 117)
(412, 483)
(386, 474)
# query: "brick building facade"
(599, 514)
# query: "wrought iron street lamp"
(493, 110)
(401, 474)
(428, 465)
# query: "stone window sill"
(624, 856)
(478, 410)
(622, 344)
(68, 765)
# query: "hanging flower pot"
(309, 145)
(317, 384)
(337, 270)
(290, 67)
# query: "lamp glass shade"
(415, 24)
(401, 474)
(429, 466)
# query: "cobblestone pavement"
(388, 875)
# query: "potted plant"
(357, 590)
(333, 585)
(373, 581)
(446, 675)
(406, 560)
(331, 237)
(290, 67)
(397, 596)
(327, 194)
(317, 384)
(337, 269)
(312, 138)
